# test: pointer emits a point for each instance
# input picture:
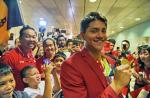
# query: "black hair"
(140, 48)
(23, 72)
(126, 41)
(25, 27)
(143, 47)
(69, 40)
(5, 69)
(59, 37)
(92, 16)
(112, 41)
(54, 42)
(60, 54)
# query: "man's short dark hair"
(5, 69)
(92, 16)
(126, 41)
(26, 27)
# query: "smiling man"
(84, 74)
(22, 55)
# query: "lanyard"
(105, 65)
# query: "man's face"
(29, 39)
(49, 48)
(61, 42)
(7, 86)
(95, 35)
(125, 46)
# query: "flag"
(9, 17)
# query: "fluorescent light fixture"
(42, 22)
(20, 1)
(92, 1)
(112, 31)
(121, 27)
(137, 19)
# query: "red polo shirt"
(39, 63)
(18, 60)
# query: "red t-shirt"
(39, 63)
(17, 61)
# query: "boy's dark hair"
(25, 27)
(60, 54)
(92, 16)
(69, 40)
(5, 69)
(23, 72)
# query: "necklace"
(105, 65)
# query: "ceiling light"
(121, 27)
(112, 31)
(20, 1)
(92, 1)
(137, 19)
(42, 22)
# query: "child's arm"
(57, 85)
(48, 84)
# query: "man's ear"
(25, 80)
(82, 35)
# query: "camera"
(124, 46)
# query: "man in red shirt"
(22, 55)
(83, 75)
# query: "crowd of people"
(85, 67)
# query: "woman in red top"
(142, 73)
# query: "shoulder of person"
(20, 94)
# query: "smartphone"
(46, 61)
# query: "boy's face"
(58, 61)
(33, 77)
(7, 86)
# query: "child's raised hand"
(48, 68)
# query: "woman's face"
(145, 56)
(49, 48)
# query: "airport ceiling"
(67, 14)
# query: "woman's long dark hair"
(141, 64)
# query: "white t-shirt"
(34, 92)
(40, 91)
